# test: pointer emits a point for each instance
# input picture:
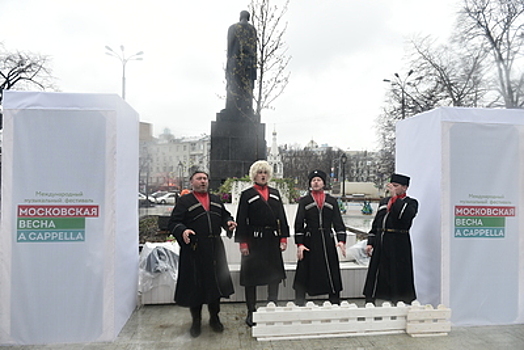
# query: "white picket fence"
(313, 321)
(424, 320)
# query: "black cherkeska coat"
(390, 272)
(203, 272)
(319, 271)
(261, 224)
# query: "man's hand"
(283, 246)
(369, 250)
(342, 246)
(391, 190)
(185, 235)
(244, 250)
(231, 225)
(300, 251)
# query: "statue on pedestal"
(237, 136)
(241, 68)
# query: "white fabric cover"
(357, 253)
(68, 276)
(158, 265)
(464, 162)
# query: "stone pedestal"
(236, 142)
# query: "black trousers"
(213, 308)
(251, 295)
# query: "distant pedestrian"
(390, 271)
(319, 230)
(262, 233)
(203, 272)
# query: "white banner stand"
(467, 171)
(69, 230)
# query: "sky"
(341, 51)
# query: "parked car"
(143, 201)
(168, 198)
(153, 196)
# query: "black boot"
(214, 320)
(249, 319)
(370, 300)
(272, 293)
(251, 300)
(196, 314)
(300, 296)
(334, 298)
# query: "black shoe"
(249, 319)
(334, 301)
(196, 317)
(195, 329)
(216, 325)
(300, 302)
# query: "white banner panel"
(484, 167)
(60, 219)
(468, 239)
(62, 185)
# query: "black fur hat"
(317, 173)
(400, 179)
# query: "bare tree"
(272, 58)
(24, 71)
(454, 75)
(385, 125)
(499, 24)
(441, 75)
(298, 163)
(458, 73)
(410, 94)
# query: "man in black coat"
(390, 272)
(317, 223)
(203, 272)
(262, 235)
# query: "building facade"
(361, 166)
(167, 162)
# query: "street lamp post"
(180, 175)
(343, 160)
(401, 83)
(123, 59)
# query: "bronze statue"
(241, 69)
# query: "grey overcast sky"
(341, 52)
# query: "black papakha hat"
(317, 173)
(400, 179)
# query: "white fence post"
(427, 321)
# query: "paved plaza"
(166, 327)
